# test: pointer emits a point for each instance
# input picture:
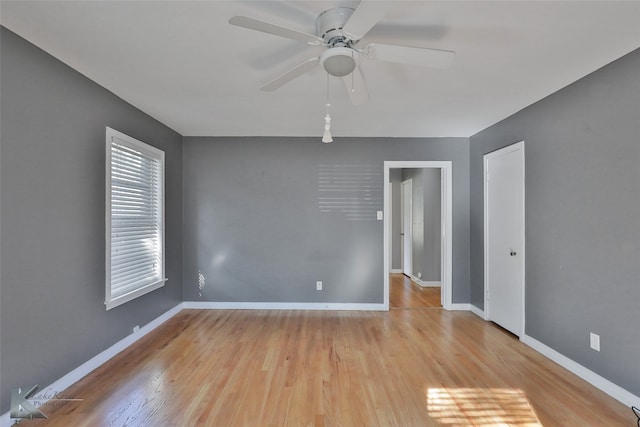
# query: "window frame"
(151, 152)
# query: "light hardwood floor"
(314, 368)
(404, 293)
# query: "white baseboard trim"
(429, 284)
(460, 307)
(478, 312)
(420, 282)
(396, 270)
(214, 305)
(613, 390)
(95, 362)
(424, 283)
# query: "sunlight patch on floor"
(482, 407)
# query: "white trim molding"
(613, 390)
(396, 270)
(95, 362)
(460, 307)
(215, 305)
(446, 170)
(428, 284)
(477, 311)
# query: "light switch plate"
(595, 341)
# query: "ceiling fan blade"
(366, 15)
(421, 57)
(254, 24)
(290, 75)
(356, 87)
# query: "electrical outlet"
(318, 285)
(595, 341)
(135, 329)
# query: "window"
(134, 219)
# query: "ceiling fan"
(339, 30)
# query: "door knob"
(513, 253)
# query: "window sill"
(135, 294)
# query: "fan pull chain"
(353, 88)
(327, 103)
(326, 136)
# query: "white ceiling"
(182, 63)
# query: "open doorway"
(417, 244)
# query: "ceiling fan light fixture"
(326, 136)
(339, 30)
(338, 61)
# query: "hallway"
(406, 294)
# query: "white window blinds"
(135, 224)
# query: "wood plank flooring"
(404, 293)
(321, 368)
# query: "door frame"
(390, 225)
(446, 214)
(403, 207)
(518, 146)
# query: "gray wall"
(53, 316)
(582, 149)
(432, 212)
(257, 227)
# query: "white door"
(504, 237)
(407, 195)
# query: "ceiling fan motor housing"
(330, 22)
(339, 59)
